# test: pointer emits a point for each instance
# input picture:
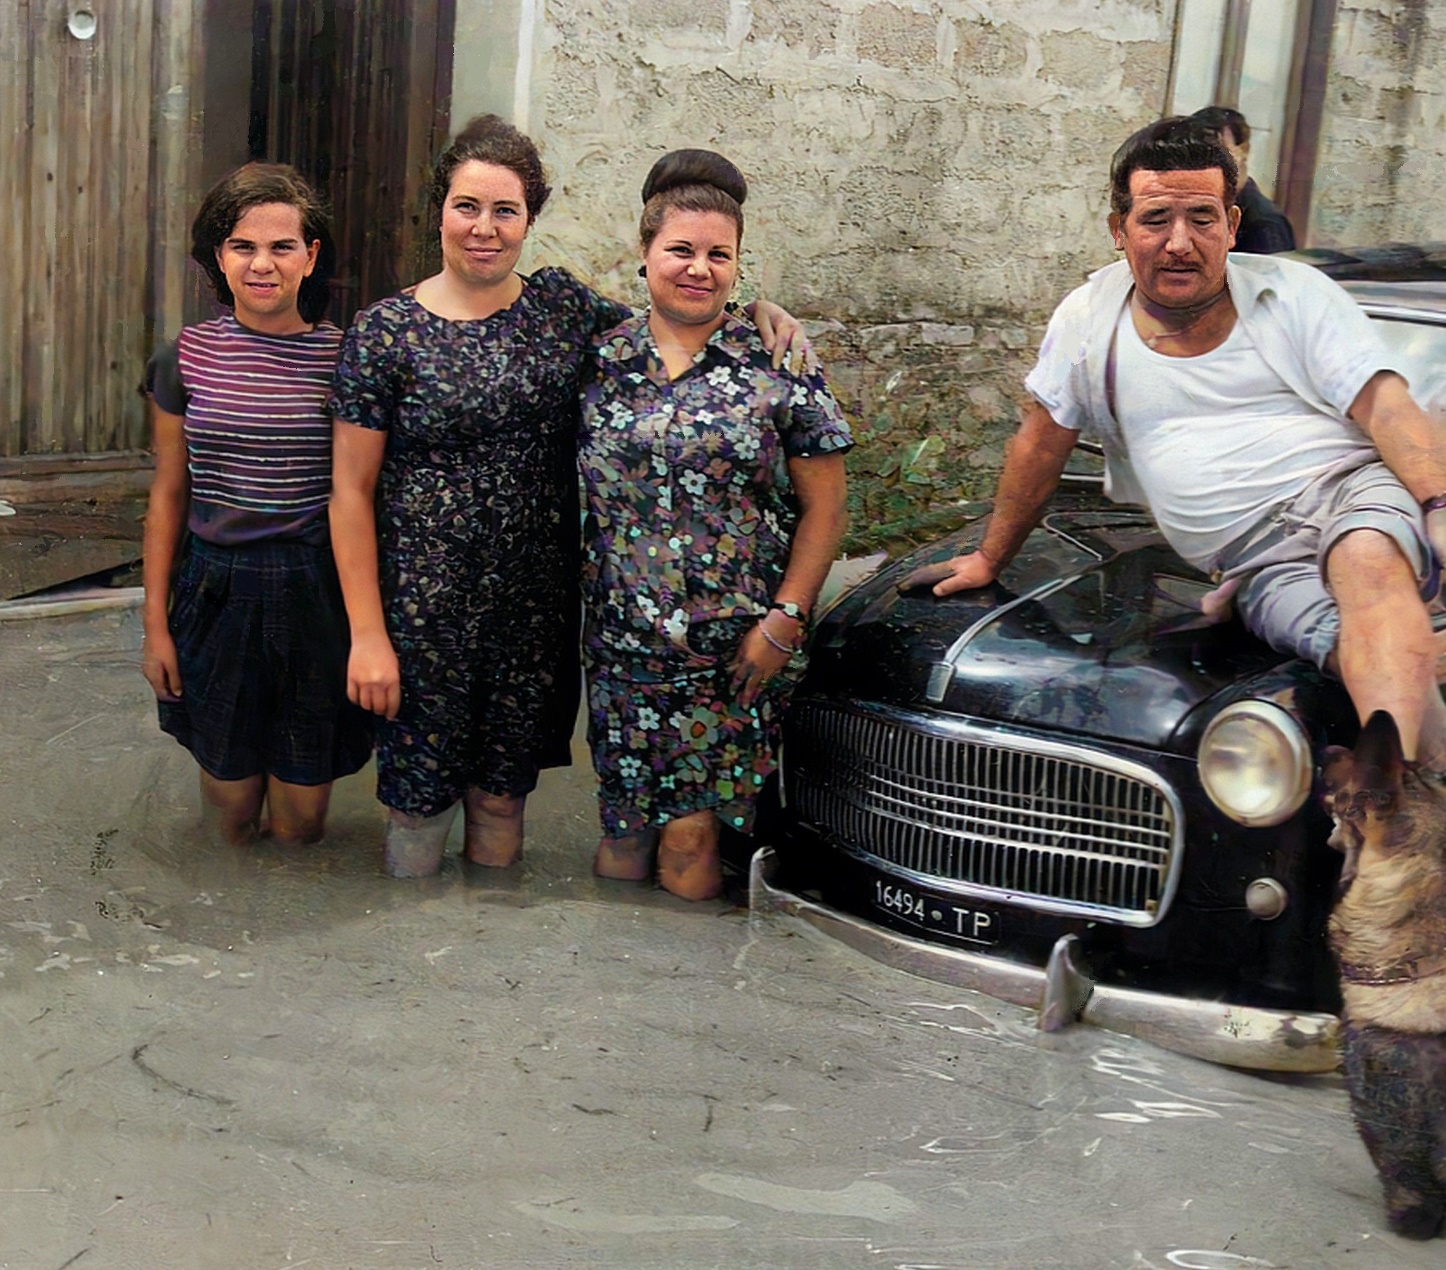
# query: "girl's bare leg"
(414, 844)
(296, 814)
(494, 828)
(688, 862)
(233, 808)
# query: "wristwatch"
(789, 609)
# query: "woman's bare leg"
(628, 858)
(233, 808)
(494, 828)
(414, 844)
(296, 814)
(688, 862)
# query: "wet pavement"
(264, 1059)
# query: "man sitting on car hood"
(1248, 403)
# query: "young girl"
(246, 640)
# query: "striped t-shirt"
(258, 436)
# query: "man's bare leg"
(233, 808)
(1387, 650)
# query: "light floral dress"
(690, 519)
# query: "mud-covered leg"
(414, 844)
(296, 814)
(494, 828)
(688, 861)
(232, 809)
(628, 858)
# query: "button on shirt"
(691, 510)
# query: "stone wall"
(928, 178)
(1381, 173)
(928, 175)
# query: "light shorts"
(1284, 599)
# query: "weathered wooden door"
(355, 93)
(75, 171)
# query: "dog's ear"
(1379, 764)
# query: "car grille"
(1054, 826)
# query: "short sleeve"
(1337, 342)
(1059, 379)
(815, 422)
(162, 381)
(597, 314)
(364, 390)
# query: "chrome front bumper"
(1236, 1036)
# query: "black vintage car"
(1071, 791)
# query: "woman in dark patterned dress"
(715, 505)
(455, 512)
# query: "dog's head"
(1383, 805)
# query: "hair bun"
(695, 167)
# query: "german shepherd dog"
(1388, 933)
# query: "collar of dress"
(633, 340)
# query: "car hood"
(1093, 628)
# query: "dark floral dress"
(690, 519)
(477, 520)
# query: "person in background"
(715, 505)
(455, 506)
(1263, 226)
(245, 633)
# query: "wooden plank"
(428, 98)
(78, 289)
(122, 354)
(47, 28)
(15, 262)
(178, 58)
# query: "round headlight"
(1255, 763)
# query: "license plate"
(936, 914)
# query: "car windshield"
(1419, 353)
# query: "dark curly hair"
(491, 139)
(247, 187)
(691, 181)
(1178, 143)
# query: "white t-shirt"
(1220, 439)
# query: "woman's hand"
(783, 336)
(758, 659)
(373, 679)
(161, 666)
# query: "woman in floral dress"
(454, 512)
(715, 505)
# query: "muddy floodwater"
(261, 1059)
